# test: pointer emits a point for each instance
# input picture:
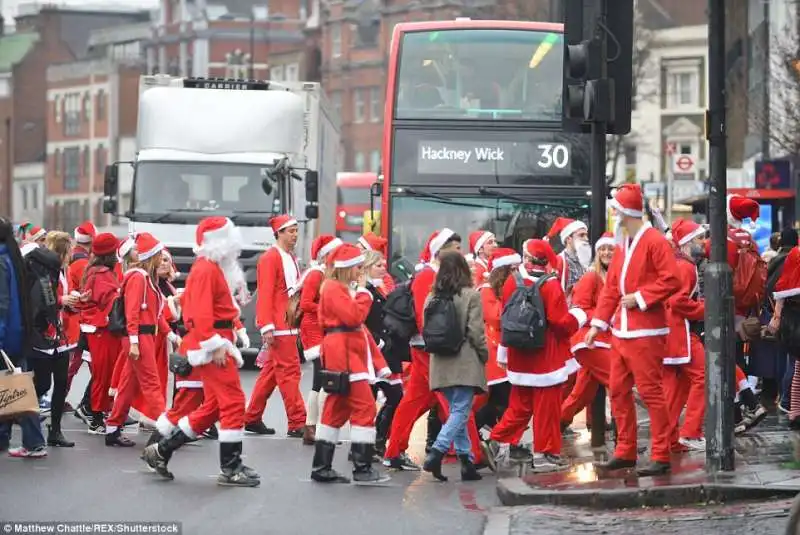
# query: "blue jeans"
(32, 436)
(454, 430)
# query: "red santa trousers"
(141, 402)
(104, 348)
(282, 369)
(358, 406)
(75, 363)
(223, 401)
(639, 362)
(685, 385)
(138, 376)
(595, 370)
(544, 405)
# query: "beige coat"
(468, 368)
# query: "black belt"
(219, 324)
(341, 329)
(147, 329)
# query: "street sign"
(683, 164)
(670, 148)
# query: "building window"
(101, 105)
(683, 89)
(375, 114)
(58, 109)
(359, 162)
(72, 169)
(293, 72)
(336, 40)
(237, 64)
(72, 114)
(34, 196)
(336, 102)
(100, 159)
(358, 106)
(276, 74)
(24, 191)
(86, 162)
(174, 66)
(87, 107)
(57, 163)
(375, 161)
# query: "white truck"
(244, 149)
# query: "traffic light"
(583, 64)
(620, 28)
(312, 186)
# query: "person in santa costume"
(126, 258)
(640, 280)
(310, 331)
(481, 245)
(81, 251)
(418, 398)
(35, 234)
(595, 361)
(372, 242)
(785, 294)
(537, 376)
(343, 307)
(574, 260)
(489, 409)
(144, 318)
(209, 313)
(277, 273)
(685, 362)
(101, 286)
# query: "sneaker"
(402, 462)
(97, 429)
(23, 453)
(296, 433)
(783, 408)
(489, 449)
(82, 414)
(750, 419)
(44, 406)
(520, 453)
(547, 462)
(694, 444)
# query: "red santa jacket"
(645, 267)
(481, 272)
(144, 305)
(74, 275)
(64, 313)
(209, 313)
(103, 287)
(421, 287)
(553, 364)
(276, 273)
(788, 284)
(683, 307)
(584, 298)
(347, 346)
(492, 310)
(310, 331)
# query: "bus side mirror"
(111, 189)
(266, 185)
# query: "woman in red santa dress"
(786, 322)
(596, 361)
(490, 408)
(100, 285)
(126, 258)
(537, 376)
(373, 242)
(144, 318)
(310, 331)
(346, 350)
(685, 363)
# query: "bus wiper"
(420, 193)
(491, 193)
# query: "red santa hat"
(147, 246)
(502, 257)
(478, 239)
(104, 244)
(740, 208)
(628, 200)
(282, 222)
(323, 245)
(373, 242)
(212, 228)
(437, 241)
(564, 227)
(606, 239)
(125, 246)
(541, 250)
(685, 230)
(345, 256)
(86, 232)
(36, 233)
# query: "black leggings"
(383, 422)
(496, 405)
(52, 371)
(316, 382)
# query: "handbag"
(17, 393)
(334, 382)
(179, 365)
(117, 324)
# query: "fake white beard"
(234, 275)
(584, 253)
(619, 232)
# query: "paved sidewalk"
(766, 467)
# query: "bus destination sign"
(501, 158)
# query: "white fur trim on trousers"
(231, 435)
(362, 435)
(327, 433)
(164, 427)
(312, 408)
(183, 425)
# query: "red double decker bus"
(474, 137)
(352, 200)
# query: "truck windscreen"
(223, 188)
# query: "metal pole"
(718, 284)
(598, 221)
(252, 67)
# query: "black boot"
(115, 438)
(322, 466)
(56, 438)
(363, 472)
(433, 464)
(211, 433)
(158, 455)
(234, 473)
(468, 470)
(434, 426)
(155, 438)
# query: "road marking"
(497, 523)
(41, 468)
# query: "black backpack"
(399, 317)
(524, 321)
(43, 267)
(442, 332)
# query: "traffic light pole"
(598, 218)
(720, 337)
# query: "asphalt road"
(92, 482)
